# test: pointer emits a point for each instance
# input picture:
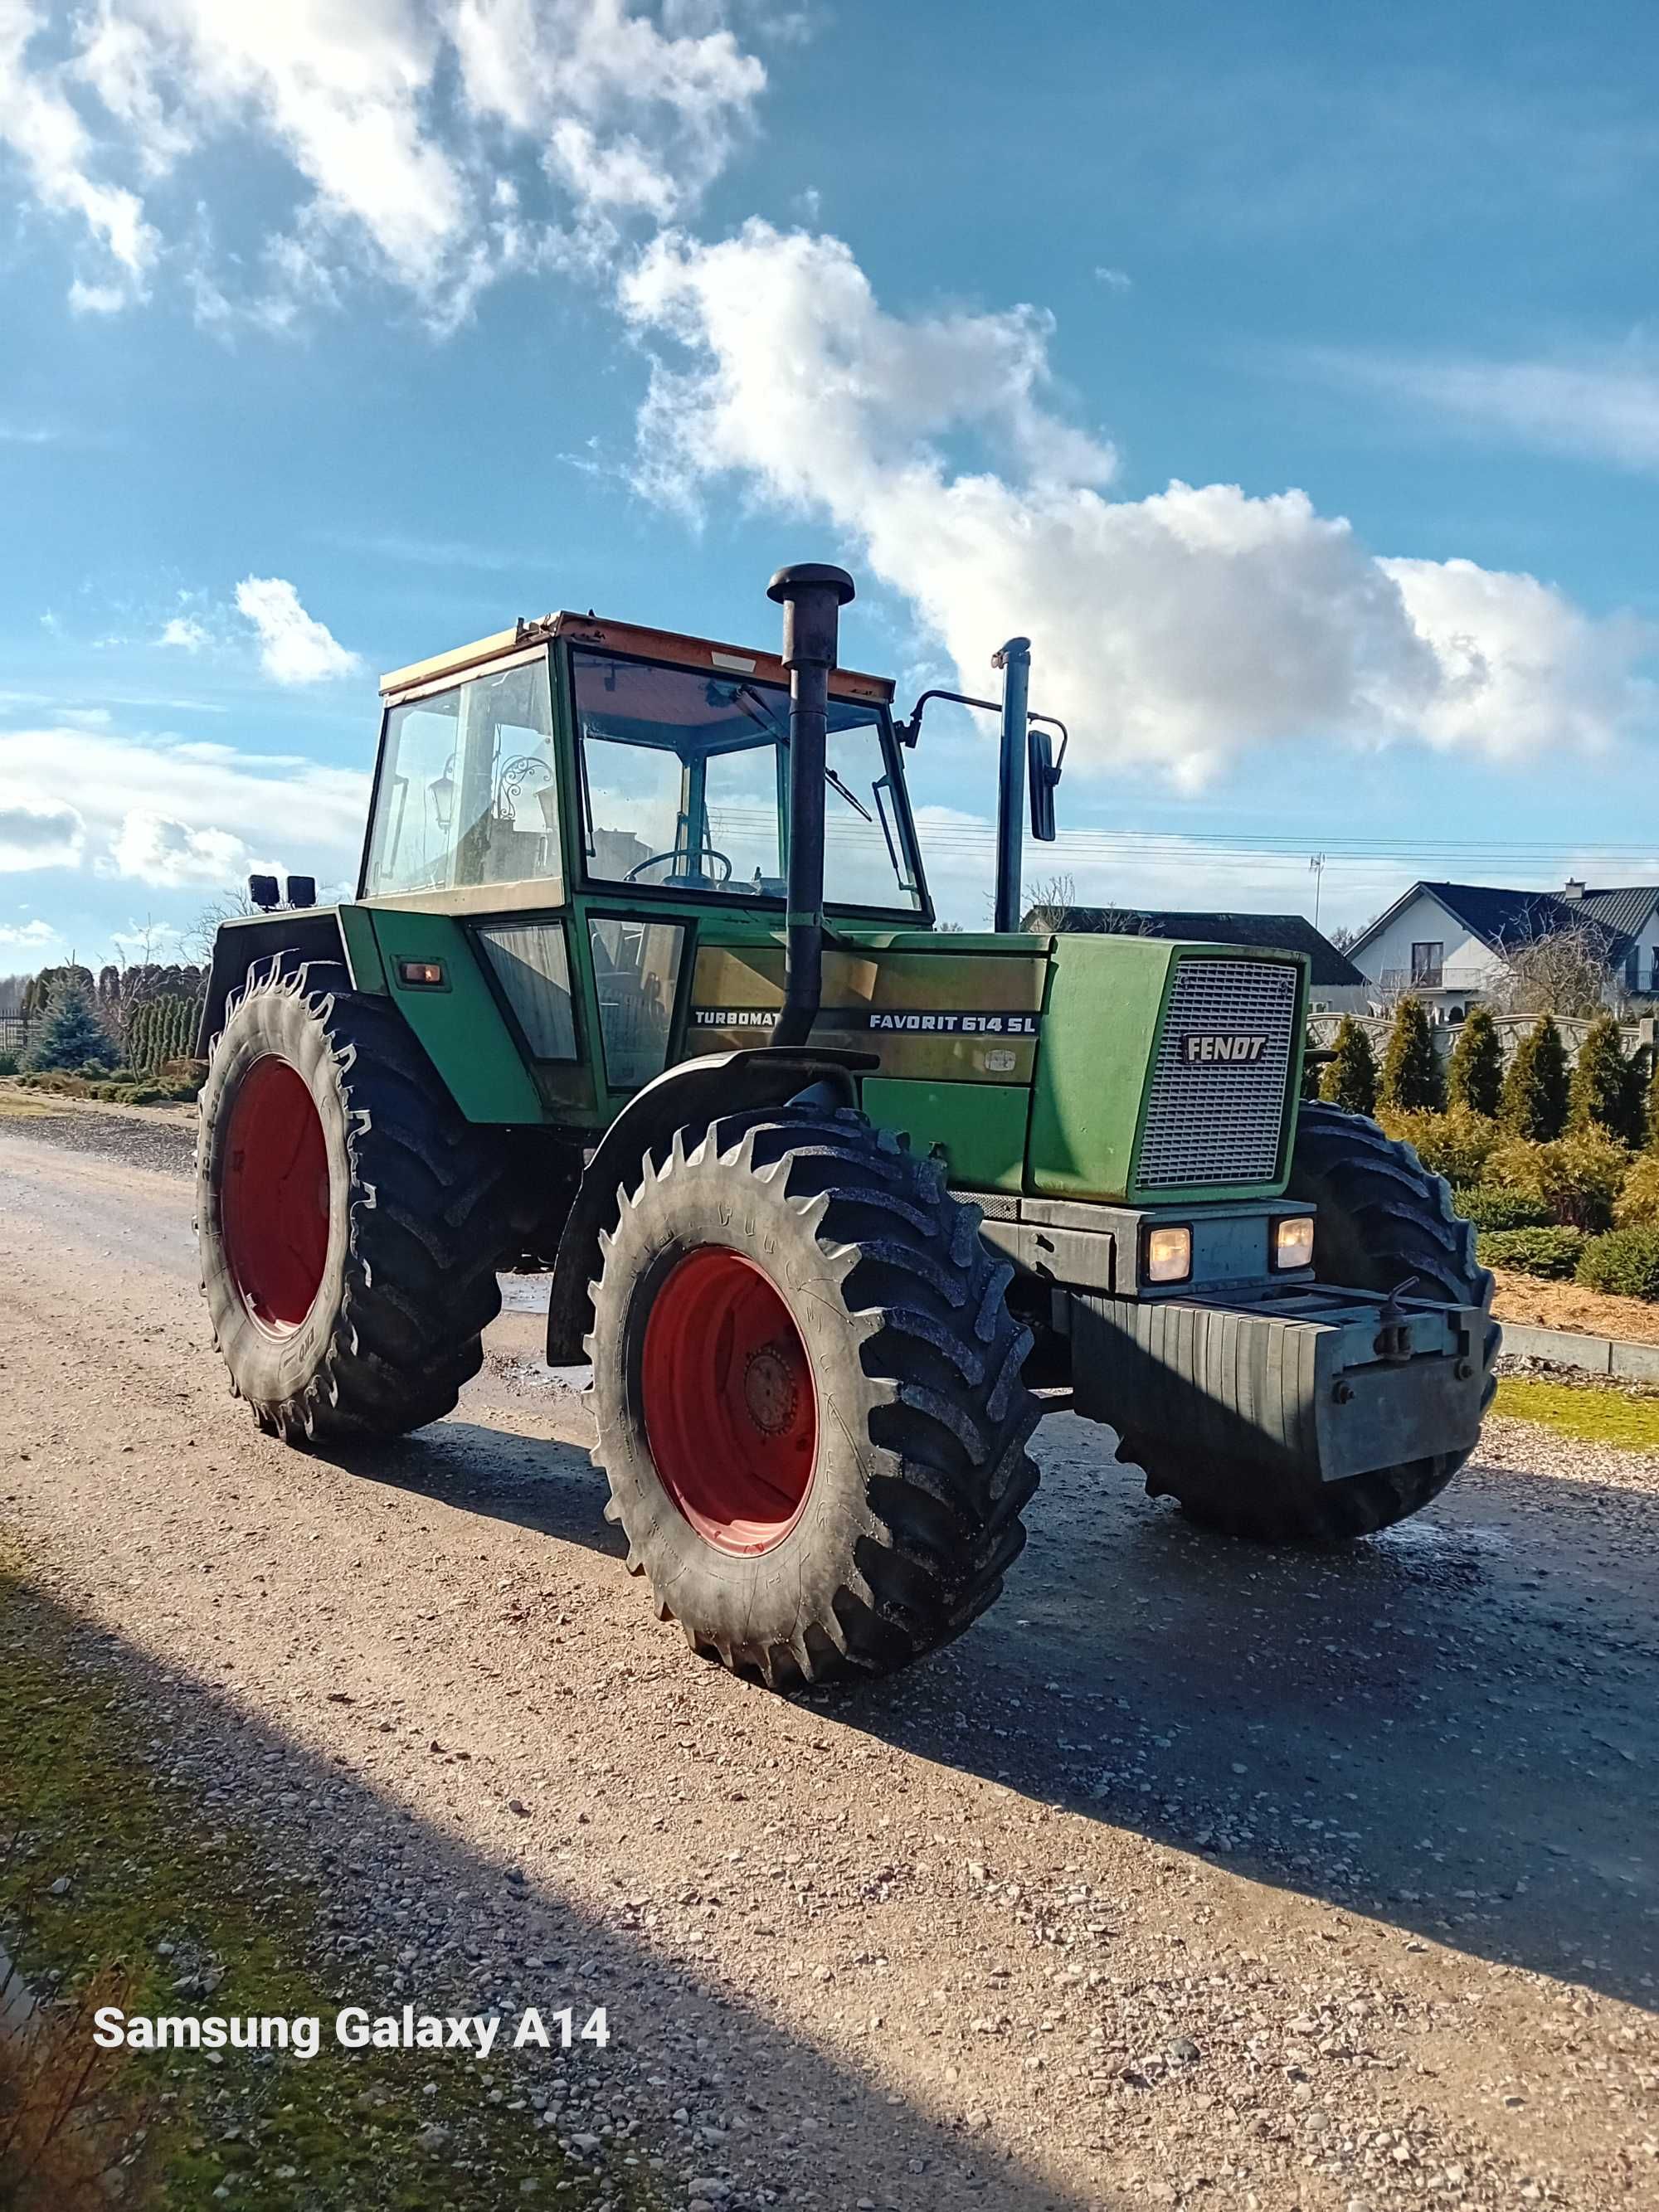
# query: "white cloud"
(59, 161)
(394, 118)
(156, 850)
(37, 832)
(28, 936)
(168, 813)
(1115, 280)
(1605, 406)
(294, 647)
(185, 632)
(1520, 667)
(1175, 631)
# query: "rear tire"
(349, 1221)
(808, 1392)
(1382, 1216)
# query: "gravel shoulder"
(1195, 1873)
(159, 1139)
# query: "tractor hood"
(1093, 1067)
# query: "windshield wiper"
(755, 708)
(852, 799)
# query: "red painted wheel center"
(730, 1411)
(273, 1207)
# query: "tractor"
(642, 985)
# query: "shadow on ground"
(546, 1485)
(710, 2051)
(1454, 1727)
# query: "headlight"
(1293, 1241)
(1169, 1254)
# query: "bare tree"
(1562, 971)
(133, 979)
(1342, 936)
(1051, 902)
(196, 940)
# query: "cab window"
(467, 792)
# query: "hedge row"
(1625, 1262)
(1537, 1097)
(175, 1085)
(1582, 1205)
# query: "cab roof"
(625, 637)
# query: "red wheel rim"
(273, 1206)
(730, 1410)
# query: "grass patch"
(112, 1877)
(1593, 1413)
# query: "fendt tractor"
(641, 984)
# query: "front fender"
(688, 1095)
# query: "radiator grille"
(1219, 1120)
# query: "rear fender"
(687, 1096)
(307, 933)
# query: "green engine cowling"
(1107, 1069)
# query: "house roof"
(1503, 917)
(1624, 910)
(1290, 933)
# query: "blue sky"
(1290, 374)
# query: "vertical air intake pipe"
(812, 596)
(1015, 662)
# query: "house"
(1337, 987)
(1450, 944)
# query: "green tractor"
(641, 982)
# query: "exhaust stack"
(812, 595)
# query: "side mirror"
(1043, 773)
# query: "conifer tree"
(1535, 1102)
(72, 1036)
(1476, 1074)
(1603, 1093)
(1350, 1079)
(1414, 1081)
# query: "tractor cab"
(591, 810)
(573, 755)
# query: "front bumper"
(1314, 1382)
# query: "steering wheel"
(709, 854)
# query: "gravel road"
(1195, 1875)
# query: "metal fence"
(16, 1030)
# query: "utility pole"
(1317, 864)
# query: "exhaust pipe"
(812, 595)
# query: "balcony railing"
(1395, 981)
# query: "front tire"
(1382, 1217)
(808, 1392)
(349, 1220)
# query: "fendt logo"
(1202, 1048)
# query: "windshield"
(686, 780)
